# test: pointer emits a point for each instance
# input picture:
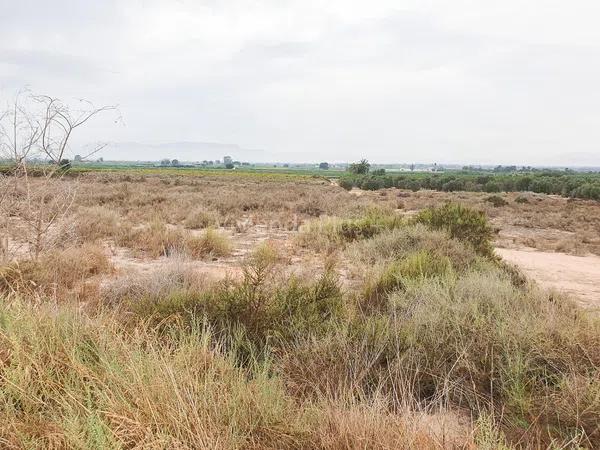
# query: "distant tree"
(360, 168)
(165, 162)
(175, 162)
(100, 160)
(229, 166)
(64, 164)
(77, 158)
(324, 166)
(412, 167)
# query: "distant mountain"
(183, 151)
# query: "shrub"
(327, 233)
(95, 223)
(416, 266)
(521, 199)
(56, 273)
(522, 349)
(398, 243)
(346, 183)
(202, 218)
(496, 201)
(209, 243)
(462, 223)
(263, 309)
(160, 240)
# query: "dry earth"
(576, 275)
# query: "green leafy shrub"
(346, 183)
(399, 243)
(496, 200)
(260, 307)
(462, 223)
(418, 265)
(521, 199)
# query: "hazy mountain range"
(183, 151)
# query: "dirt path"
(575, 275)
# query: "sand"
(578, 276)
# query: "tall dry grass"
(71, 382)
(435, 344)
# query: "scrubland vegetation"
(345, 321)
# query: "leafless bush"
(35, 131)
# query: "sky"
(462, 81)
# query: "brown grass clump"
(209, 243)
(57, 273)
(202, 218)
(96, 222)
(158, 239)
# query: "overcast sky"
(467, 81)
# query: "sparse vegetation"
(183, 312)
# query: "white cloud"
(466, 81)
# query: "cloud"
(463, 81)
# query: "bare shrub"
(96, 222)
(202, 218)
(164, 281)
(56, 273)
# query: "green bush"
(462, 223)
(496, 200)
(418, 265)
(263, 309)
(521, 199)
(346, 182)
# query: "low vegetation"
(565, 183)
(366, 328)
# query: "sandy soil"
(578, 276)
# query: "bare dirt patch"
(578, 276)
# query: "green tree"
(360, 168)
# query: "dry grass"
(431, 345)
(68, 382)
(202, 218)
(158, 239)
(58, 274)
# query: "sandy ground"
(578, 276)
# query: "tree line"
(560, 182)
